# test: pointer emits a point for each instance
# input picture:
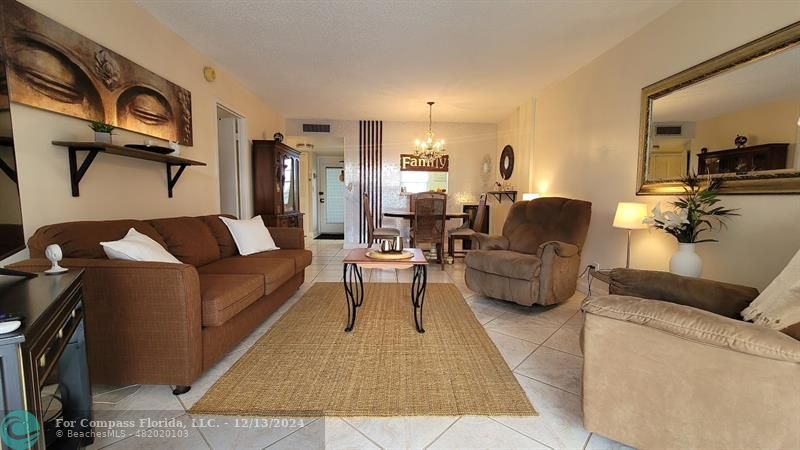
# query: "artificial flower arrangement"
(695, 212)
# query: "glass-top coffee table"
(353, 281)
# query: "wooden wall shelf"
(511, 195)
(76, 173)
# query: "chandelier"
(429, 149)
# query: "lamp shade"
(630, 215)
(530, 196)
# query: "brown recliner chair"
(537, 258)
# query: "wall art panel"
(54, 68)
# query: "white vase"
(686, 262)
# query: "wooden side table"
(354, 282)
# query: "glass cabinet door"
(289, 184)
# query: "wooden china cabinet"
(276, 184)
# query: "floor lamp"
(629, 217)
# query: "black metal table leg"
(418, 286)
(353, 291)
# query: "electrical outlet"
(595, 265)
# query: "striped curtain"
(370, 160)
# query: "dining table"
(409, 215)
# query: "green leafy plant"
(696, 211)
(101, 127)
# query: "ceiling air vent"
(669, 130)
(316, 128)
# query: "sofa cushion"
(793, 331)
(275, 271)
(227, 246)
(720, 298)
(693, 324)
(189, 239)
(82, 239)
(224, 296)
(301, 257)
(505, 263)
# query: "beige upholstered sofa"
(668, 364)
(537, 258)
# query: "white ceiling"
(769, 79)
(325, 145)
(384, 59)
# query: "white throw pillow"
(778, 306)
(136, 246)
(251, 236)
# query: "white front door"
(331, 194)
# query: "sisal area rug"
(306, 365)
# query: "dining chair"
(467, 229)
(376, 234)
(430, 217)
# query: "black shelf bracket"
(499, 195)
(173, 180)
(76, 173)
(6, 169)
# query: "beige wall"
(515, 130)
(587, 130)
(467, 143)
(767, 123)
(117, 187)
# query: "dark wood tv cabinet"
(49, 349)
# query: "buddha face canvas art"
(54, 68)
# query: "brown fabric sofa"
(537, 258)
(160, 323)
(680, 370)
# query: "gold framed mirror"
(735, 117)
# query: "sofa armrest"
(558, 278)
(697, 325)
(143, 319)
(720, 298)
(288, 238)
(486, 242)
(559, 248)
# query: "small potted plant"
(695, 212)
(102, 131)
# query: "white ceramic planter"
(102, 137)
(686, 261)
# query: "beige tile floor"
(539, 344)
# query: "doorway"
(230, 144)
(331, 195)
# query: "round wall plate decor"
(507, 162)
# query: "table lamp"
(629, 217)
(530, 196)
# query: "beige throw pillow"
(778, 307)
